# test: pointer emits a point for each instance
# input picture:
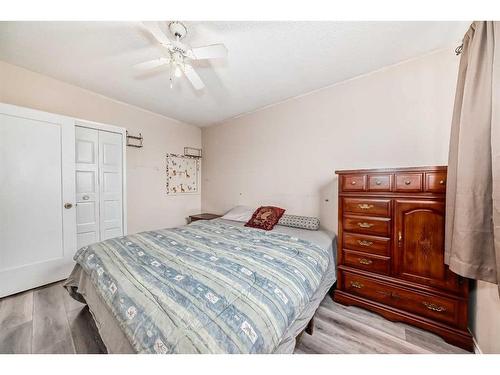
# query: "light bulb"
(177, 72)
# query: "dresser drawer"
(380, 182)
(366, 244)
(424, 304)
(409, 182)
(377, 207)
(369, 225)
(353, 182)
(367, 262)
(435, 182)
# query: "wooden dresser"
(391, 250)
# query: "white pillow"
(239, 213)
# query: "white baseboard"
(477, 349)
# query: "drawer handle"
(389, 294)
(395, 295)
(365, 206)
(407, 182)
(353, 182)
(365, 225)
(441, 182)
(365, 243)
(384, 293)
(356, 284)
(434, 307)
(365, 261)
(378, 182)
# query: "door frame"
(123, 133)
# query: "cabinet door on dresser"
(419, 244)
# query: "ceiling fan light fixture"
(179, 52)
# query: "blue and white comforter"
(209, 287)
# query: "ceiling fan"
(179, 55)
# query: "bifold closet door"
(37, 192)
(87, 186)
(110, 184)
(99, 187)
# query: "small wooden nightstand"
(202, 217)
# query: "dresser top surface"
(393, 170)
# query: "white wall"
(286, 154)
(485, 317)
(148, 205)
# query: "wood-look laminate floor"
(48, 320)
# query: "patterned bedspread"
(209, 287)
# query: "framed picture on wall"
(183, 174)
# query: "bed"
(209, 287)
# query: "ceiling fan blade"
(155, 30)
(152, 63)
(213, 51)
(193, 77)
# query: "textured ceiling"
(267, 62)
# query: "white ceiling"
(268, 61)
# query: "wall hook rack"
(134, 140)
(192, 152)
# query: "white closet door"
(87, 186)
(111, 187)
(37, 192)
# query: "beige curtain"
(473, 188)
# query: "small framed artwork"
(183, 174)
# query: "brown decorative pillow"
(265, 217)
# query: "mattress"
(210, 287)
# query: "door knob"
(67, 206)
